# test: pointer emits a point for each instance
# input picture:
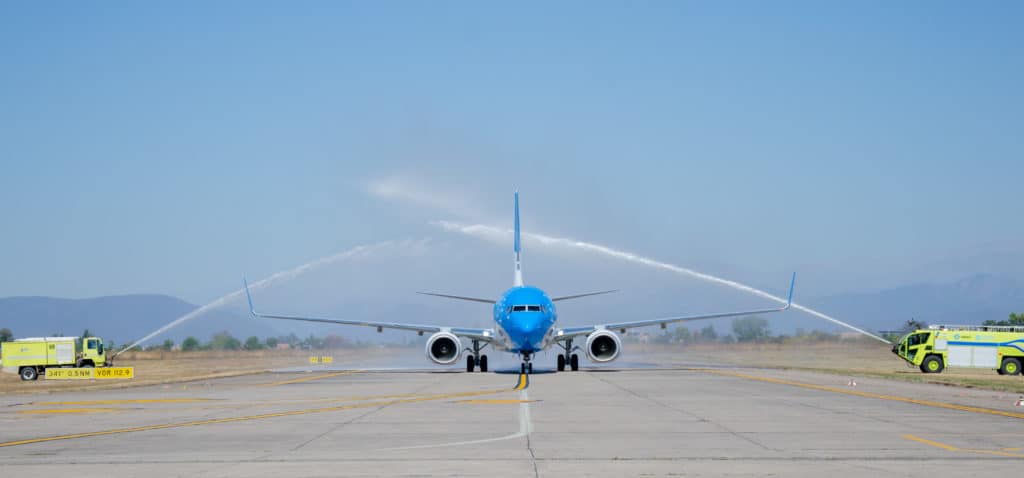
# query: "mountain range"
(124, 318)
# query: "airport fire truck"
(1000, 348)
(31, 357)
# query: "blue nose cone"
(530, 328)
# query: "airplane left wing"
(570, 332)
(485, 335)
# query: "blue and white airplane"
(525, 322)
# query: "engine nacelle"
(444, 348)
(603, 346)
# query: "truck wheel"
(932, 364)
(1010, 366)
(86, 365)
(28, 373)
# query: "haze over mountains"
(127, 317)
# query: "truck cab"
(93, 353)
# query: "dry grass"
(160, 367)
(855, 358)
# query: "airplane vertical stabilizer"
(519, 270)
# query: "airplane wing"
(485, 335)
(570, 332)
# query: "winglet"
(252, 310)
(789, 300)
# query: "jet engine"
(444, 348)
(603, 346)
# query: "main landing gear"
(568, 358)
(476, 359)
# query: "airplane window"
(533, 308)
(518, 308)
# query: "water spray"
(285, 275)
(500, 235)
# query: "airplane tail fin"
(519, 271)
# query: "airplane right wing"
(570, 332)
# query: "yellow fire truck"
(1000, 348)
(31, 357)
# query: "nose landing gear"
(526, 366)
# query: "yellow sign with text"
(90, 373)
(321, 359)
(68, 373)
(114, 373)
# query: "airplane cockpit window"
(518, 308)
(533, 308)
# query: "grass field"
(160, 367)
(849, 358)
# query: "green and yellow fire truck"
(1000, 348)
(31, 357)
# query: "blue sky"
(170, 148)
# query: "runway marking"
(894, 398)
(307, 379)
(965, 450)
(525, 428)
(68, 410)
(249, 417)
(522, 382)
(494, 402)
(121, 402)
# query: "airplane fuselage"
(525, 316)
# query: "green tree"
(272, 342)
(708, 334)
(253, 343)
(224, 341)
(190, 344)
(682, 335)
(750, 329)
(6, 335)
(912, 325)
(1016, 319)
(86, 333)
(168, 344)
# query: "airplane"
(525, 323)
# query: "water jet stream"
(358, 251)
(502, 236)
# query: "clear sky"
(168, 148)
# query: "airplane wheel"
(574, 362)
(561, 363)
(470, 363)
(529, 368)
(483, 363)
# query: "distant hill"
(971, 300)
(120, 318)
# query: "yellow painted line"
(930, 442)
(248, 418)
(1011, 449)
(307, 379)
(121, 402)
(965, 450)
(927, 403)
(523, 382)
(68, 410)
(494, 402)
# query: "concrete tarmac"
(609, 422)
